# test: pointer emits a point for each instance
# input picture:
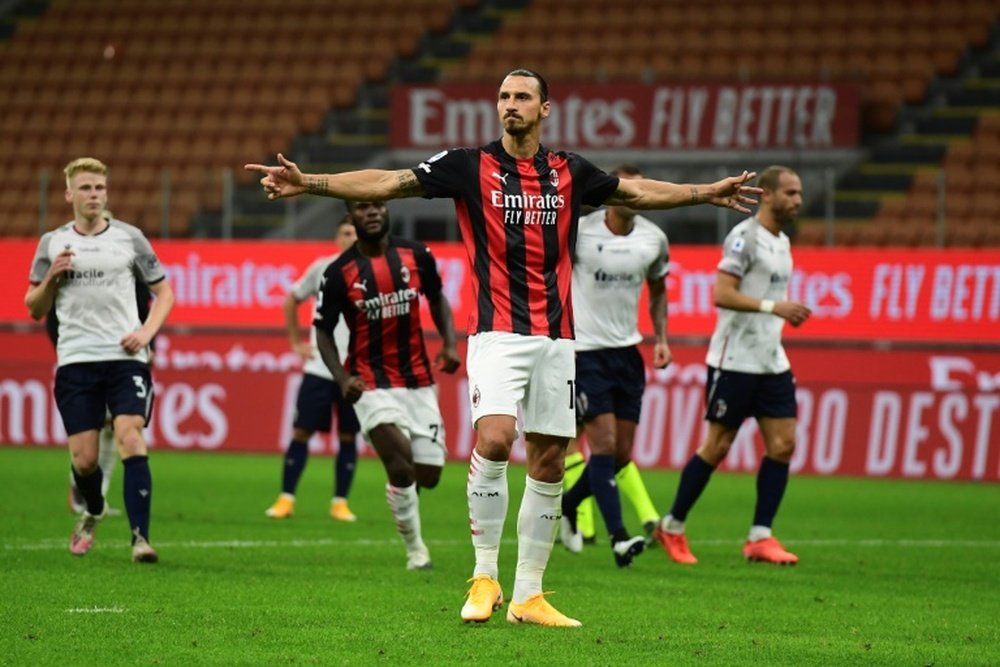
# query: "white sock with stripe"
(537, 522)
(487, 493)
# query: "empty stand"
(145, 86)
(197, 87)
(892, 49)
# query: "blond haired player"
(87, 268)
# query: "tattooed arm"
(285, 180)
(646, 193)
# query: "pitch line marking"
(95, 610)
(904, 543)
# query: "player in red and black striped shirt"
(376, 286)
(517, 204)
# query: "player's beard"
(373, 237)
(519, 128)
(785, 217)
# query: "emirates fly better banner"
(861, 295)
(678, 116)
(929, 411)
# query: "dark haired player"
(617, 252)
(375, 286)
(517, 203)
(748, 370)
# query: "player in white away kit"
(107, 453)
(748, 371)
(87, 268)
(317, 395)
(616, 252)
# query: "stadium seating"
(173, 93)
(893, 50)
(147, 86)
(890, 49)
(960, 192)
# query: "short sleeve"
(446, 173)
(736, 254)
(147, 264)
(597, 185)
(430, 279)
(330, 297)
(41, 263)
(308, 284)
(661, 265)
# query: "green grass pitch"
(892, 573)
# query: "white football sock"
(404, 503)
(537, 522)
(487, 493)
(107, 457)
(671, 525)
(759, 533)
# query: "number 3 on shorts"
(140, 383)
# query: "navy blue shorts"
(86, 391)
(610, 381)
(731, 396)
(314, 407)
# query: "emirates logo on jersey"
(526, 209)
(386, 305)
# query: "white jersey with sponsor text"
(609, 271)
(307, 286)
(96, 305)
(750, 342)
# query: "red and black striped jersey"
(379, 299)
(518, 220)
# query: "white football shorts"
(536, 372)
(414, 411)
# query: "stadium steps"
(916, 150)
(351, 138)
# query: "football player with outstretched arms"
(518, 203)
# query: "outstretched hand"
(283, 180)
(732, 192)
